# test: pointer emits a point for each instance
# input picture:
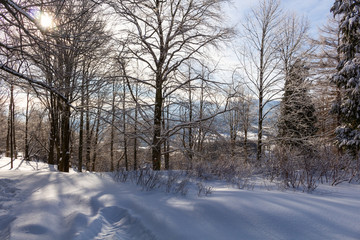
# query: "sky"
(316, 11)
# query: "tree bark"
(88, 132)
(12, 127)
(156, 144)
(124, 128)
(81, 137)
(167, 141)
(81, 126)
(135, 129)
(112, 133)
(65, 139)
(98, 115)
(26, 153)
(8, 136)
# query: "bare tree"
(124, 126)
(240, 117)
(95, 146)
(67, 60)
(20, 31)
(112, 130)
(233, 117)
(27, 116)
(294, 44)
(247, 117)
(11, 139)
(3, 118)
(325, 61)
(259, 58)
(163, 35)
(56, 51)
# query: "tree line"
(118, 84)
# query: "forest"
(123, 85)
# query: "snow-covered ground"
(36, 202)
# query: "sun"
(46, 20)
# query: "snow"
(39, 203)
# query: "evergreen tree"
(297, 120)
(347, 77)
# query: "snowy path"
(55, 206)
(51, 205)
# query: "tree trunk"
(167, 142)
(54, 141)
(112, 133)
(96, 136)
(191, 142)
(124, 128)
(87, 129)
(57, 128)
(260, 129)
(26, 153)
(156, 144)
(135, 130)
(81, 139)
(11, 136)
(65, 139)
(201, 115)
(232, 143)
(11, 126)
(261, 99)
(88, 139)
(8, 136)
(51, 154)
(245, 145)
(81, 130)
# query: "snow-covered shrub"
(171, 179)
(232, 171)
(226, 170)
(121, 175)
(147, 178)
(344, 168)
(201, 170)
(244, 183)
(181, 186)
(294, 168)
(337, 167)
(175, 182)
(168, 181)
(203, 190)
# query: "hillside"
(37, 202)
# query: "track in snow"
(48, 206)
(7, 193)
(114, 223)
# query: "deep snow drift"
(36, 202)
